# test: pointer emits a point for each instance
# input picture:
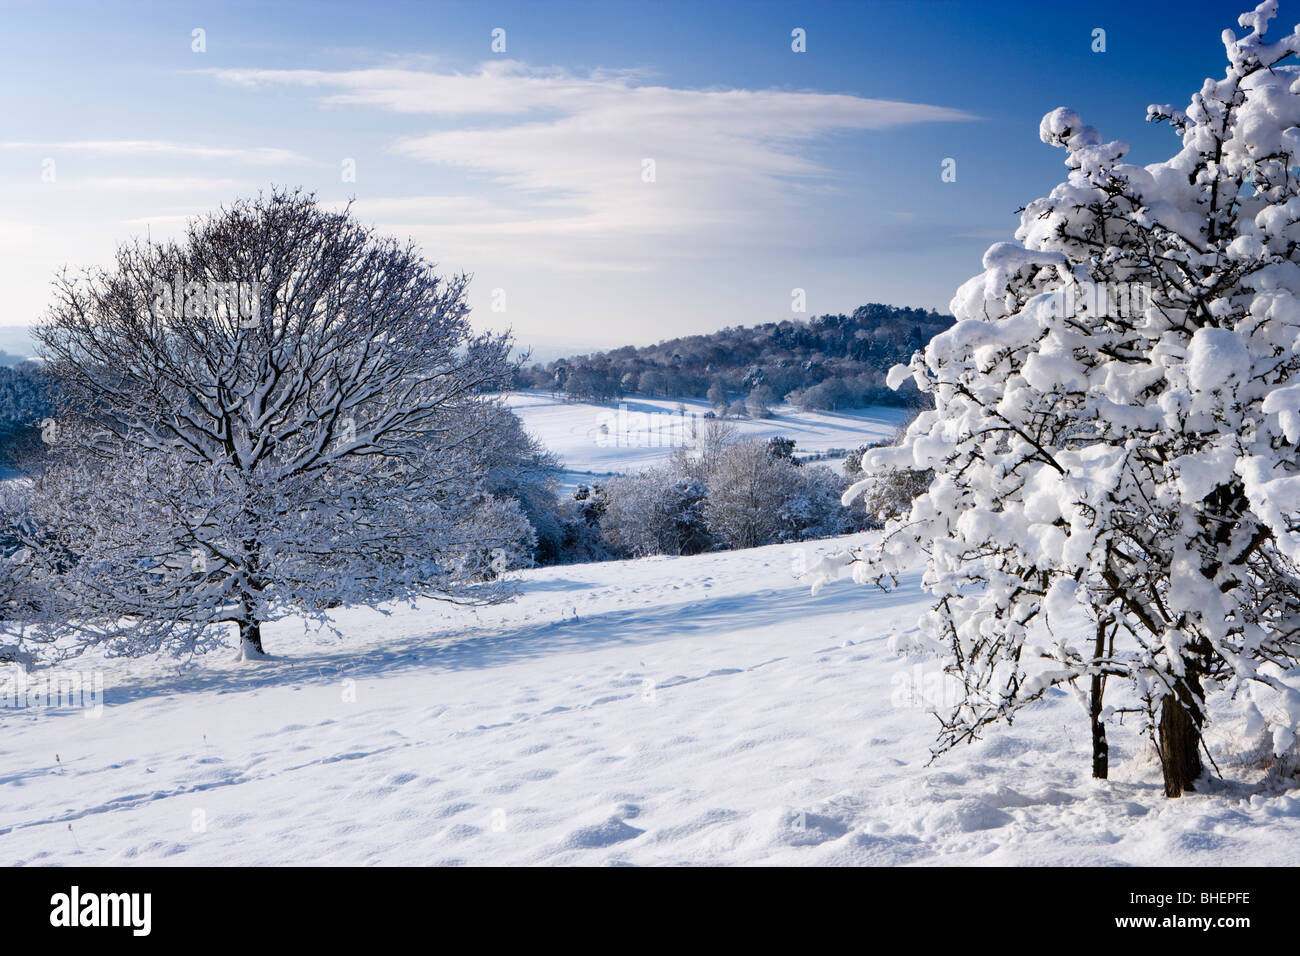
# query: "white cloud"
(167, 219)
(559, 158)
(256, 155)
(153, 184)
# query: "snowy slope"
(572, 430)
(698, 710)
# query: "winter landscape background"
(661, 711)
(579, 442)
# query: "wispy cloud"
(255, 155)
(623, 166)
(153, 184)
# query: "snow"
(703, 710)
(572, 430)
(1063, 125)
(1216, 360)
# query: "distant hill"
(827, 362)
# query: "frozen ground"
(701, 710)
(573, 430)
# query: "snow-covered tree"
(747, 490)
(656, 512)
(1115, 432)
(887, 493)
(279, 413)
(759, 402)
(522, 470)
(27, 605)
(812, 508)
(698, 458)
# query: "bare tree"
(747, 491)
(277, 414)
(699, 459)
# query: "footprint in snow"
(600, 835)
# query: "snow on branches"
(1115, 430)
(226, 462)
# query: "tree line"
(825, 363)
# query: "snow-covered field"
(573, 430)
(702, 710)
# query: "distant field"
(572, 430)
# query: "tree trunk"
(250, 627)
(1180, 737)
(250, 639)
(1100, 749)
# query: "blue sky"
(773, 170)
